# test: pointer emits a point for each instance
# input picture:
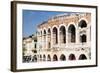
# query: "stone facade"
(64, 37)
(29, 48)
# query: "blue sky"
(32, 18)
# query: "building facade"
(29, 48)
(64, 37)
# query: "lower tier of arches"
(48, 57)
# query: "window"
(55, 37)
(72, 57)
(83, 38)
(82, 24)
(55, 58)
(82, 57)
(62, 57)
(62, 34)
(71, 34)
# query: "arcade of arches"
(68, 40)
(61, 37)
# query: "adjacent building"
(29, 48)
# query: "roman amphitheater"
(63, 37)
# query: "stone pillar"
(88, 34)
(46, 40)
(38, 42)
(58, 37)
(42, 43)
(77, 36)
(66, 36)
(51, 38)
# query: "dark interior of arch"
(49, 45)
(48, 58)
(63, 34)
(83, 38)
(55, 33)
(82, 24)
(72, 57)
(44, 32)
(41, 33)
(55, 58)
(62, 57)
(82, 57)
(44, 57)
(71, 33)
(35, 58)
(49, 32)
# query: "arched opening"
(49, 32)
(55, 58)
(40, 57)
(72, 57)
(83, 38)
(35, 46)
(62, 57)
(41, 38)
(44, 32)
(62, 34)
(55, 37)
(44, 38)
(35, 58)
(41, 33)
(82, 24)
(49, 45)
(82, 57)
(49, 38)
(44, 58)
(71, 34)
(48, 58)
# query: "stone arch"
(49, 44)
(44, 57)
(44, 32)
(82, 57)
(82, 24)
(62, 30)
(44, 38)
(55, 58)
(35, 58)
(62, 57)
(71, 33)
(55, 35)
(41, 33)
(48, 58)
(35, 45)
(40, 57)
(72, 57)
(49, 38)
(49, 31)
(83, 38)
